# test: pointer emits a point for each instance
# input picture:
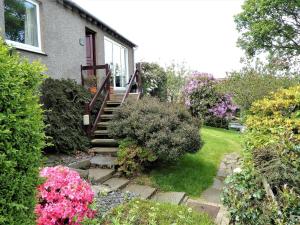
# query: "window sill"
(25, 48)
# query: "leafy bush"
(21, 137)
(204, 102)
(165, 129)
(272, 150)
(63, 101)
(145, 212)
(64, 198)
(132, 158)
(252, 84)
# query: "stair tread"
(100, 175)
(101, 132)
(104, 149)
(96, 140)
(106, 115)
(101, 160)
(145, 192)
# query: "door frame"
(93, 33)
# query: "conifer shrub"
(63, 101)
(167, 130)
(21, 137)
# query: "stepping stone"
(82, 173)
(100, 160)
(222, 174)
(100, 189)
(218, 184)
(200, 206)
(169, 197)
(145, 192)
(116, 183)
(82, 164)
(100, 175)
(104, 142)
(211, 195)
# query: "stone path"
(209, 201)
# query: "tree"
(176, 74)
(271, 26)
(154, 80)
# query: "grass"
(195, 172)
(148, 212)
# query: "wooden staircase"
(103, 145)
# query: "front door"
(90, 51)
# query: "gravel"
(110, 200)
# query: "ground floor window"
(22, 28)
(116, 56)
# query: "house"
(64, 36)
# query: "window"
(22, 25)
(116, 57)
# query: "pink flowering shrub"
(202, 99)
(64, 198)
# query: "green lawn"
(195, 172)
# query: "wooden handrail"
(89, 106)
(137, 76)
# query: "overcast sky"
(200, 32)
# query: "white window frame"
(27, 46)
(125, 57)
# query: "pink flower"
(64, 198)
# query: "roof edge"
(91, 18)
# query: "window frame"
(106, 38)
(28, 47)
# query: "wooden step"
(101, 132)
(107, 116)
(102, 124)
(110, 109)
(113, 103)
(104, 142)
(104, 150)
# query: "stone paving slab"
(218, 184)
(100, 189)
(169, 197)
(211, 195)
(100, 175)
(116, 183)
(200, 206)
(82, 164)
(100, 160)
(145, 192)
(82, 173)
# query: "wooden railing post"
(107, 70)
(139, 77)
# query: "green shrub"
(154, 80)
(63, 101)
(272, 151)
(145, 212)
(21, 137)
(165, 129)
(132, 158)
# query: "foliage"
(64, 198)
(21, 137)
(133, 158)
(175, 81)
(151, 213)
(271, 26)
(252, 83)
(205, 102)
(272, 151)
(154, 80)
(194, 173)
(63, 101)
(245, 198)
(167, 130)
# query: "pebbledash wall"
(62, 27)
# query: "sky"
(201, 33)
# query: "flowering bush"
(204, 101)
(64, 198)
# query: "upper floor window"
(22, 25)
